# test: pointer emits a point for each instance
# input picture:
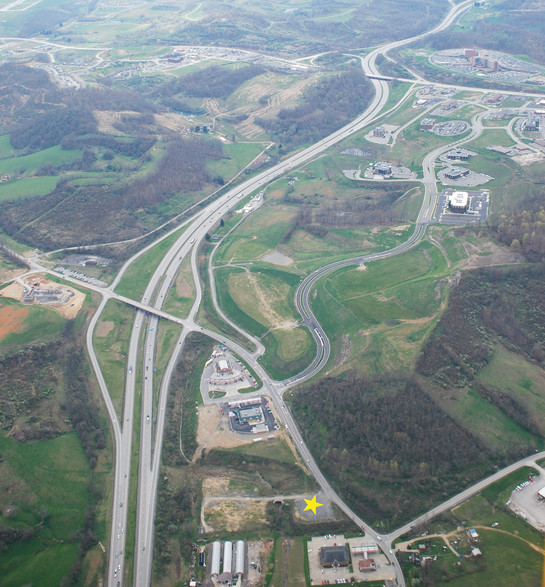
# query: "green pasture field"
(112, 347)
(490, 136)
(485, 420)
(33, 469)
(292, 566)
(499, 492)
(377, 318)
(27, 187)
(168, 333)
(259, 302)
(511, 373)
(287, 352)
(137, 276)
(6, 150)
(181, 295)
(27, 164)
(452, 244)
(414, 144)
(257, 235)
(409, 203)
(238, 156)
(40, 324)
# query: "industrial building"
(381, 168)
(458, 201)
(240, 558)
(225, 563)
(458, 155)
(216, 558)
(427, 124)
(456, 173)
(334, 556)
(227, 571)
(531, 124)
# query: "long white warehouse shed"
(239, 561)
(228, 557)
(216, 557)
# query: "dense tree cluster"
(50, 128)
(386, 437)
(215, 81)
(325, 107)
(524, 230)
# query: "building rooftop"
(334, 555)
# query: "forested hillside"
(398, 444)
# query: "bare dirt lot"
(40, 284)
(11, 318)
(214, 431)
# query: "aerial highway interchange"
(150, 310)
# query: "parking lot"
(266, 424)
(477, 211)
(341, 575)
(524, 502)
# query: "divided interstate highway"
(149, 311)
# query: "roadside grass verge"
(138, 274)
(181, 295)
(111, 342)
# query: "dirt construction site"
(37, 290)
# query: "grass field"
(377, 318)
(289, 562)
(27, 164)
(26, 187)
(111, 342)
(139, 273)
(523, 380)
(182, 293)
(30, 323)
(29, 477)
(168, 333)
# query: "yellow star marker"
(312, 504)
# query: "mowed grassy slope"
(260, 300)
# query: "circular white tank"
(216, 556)
(228, 557)
(239, 561)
